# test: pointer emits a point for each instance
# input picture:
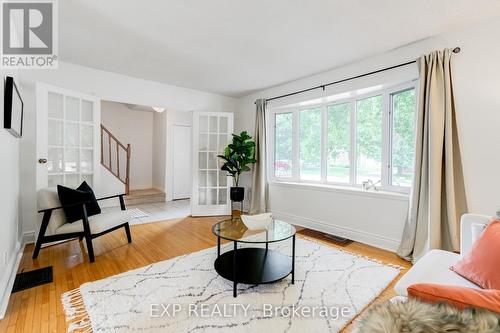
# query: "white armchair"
(434, 267)
(53, 226)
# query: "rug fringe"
(76, 314)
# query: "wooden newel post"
(102, 144)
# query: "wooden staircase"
(138, 197)
(117, 157)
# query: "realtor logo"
(29, 37)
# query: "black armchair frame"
(86, 233)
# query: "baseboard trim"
(378, 241)
(28, 237)
(13, 266)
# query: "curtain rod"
(323, 86)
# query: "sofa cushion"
(92, 207)
(482, 264)
(98, 223)
(434, 267)
(459, 297)
(82, 193)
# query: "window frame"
(386, 149)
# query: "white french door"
(67, 137)
(211, 134)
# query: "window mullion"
(386, 139)
(352, 169)
(296, 146)
(324, 141)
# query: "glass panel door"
(70, 141)
(212, 132)
(67, 137)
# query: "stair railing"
(112, 163)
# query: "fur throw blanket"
(418, 317)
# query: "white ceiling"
(235, 47)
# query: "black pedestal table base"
(254, 265)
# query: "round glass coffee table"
(254, 265)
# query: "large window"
(354, 140)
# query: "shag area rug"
(418, 317)
(185, 294)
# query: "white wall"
(108, 86)
(173, 118)
(134, 127)
(353, 214)
(109, 185)
(10, 237)
(477, 86)
(159, 150)
(10, 175)
(477, 96)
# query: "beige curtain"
(438, 197)
(258, 200)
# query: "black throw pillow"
(83, 193)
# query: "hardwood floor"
(39, 309)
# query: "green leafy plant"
(238, 155)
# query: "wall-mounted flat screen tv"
(13, 108)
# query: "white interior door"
(182, 162)
(211, 134)
(67, 137)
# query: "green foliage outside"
(310, 138)
(283, 138)
(403, 149)
(369, 129)
(368, 138)
(339, 136)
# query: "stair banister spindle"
(109, 143)
(117, 161)
(108, 164)
(127, 175)
(102, 147)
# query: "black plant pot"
(237, 194)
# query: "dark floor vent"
(337, 239)
(37, 277)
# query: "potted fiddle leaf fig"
(237, 158)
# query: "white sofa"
(434, 267)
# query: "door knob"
(42, 160)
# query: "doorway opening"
(159, 143)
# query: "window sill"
(348, 190)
